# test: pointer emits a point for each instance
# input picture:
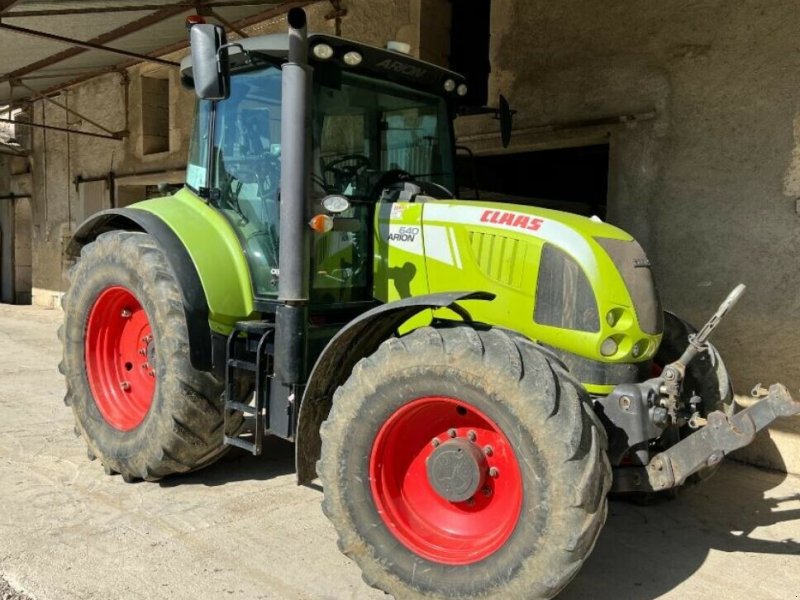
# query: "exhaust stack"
(295, 165)
(294, 254)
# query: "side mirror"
(210, 69)
(506, 116)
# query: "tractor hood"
(563, 279)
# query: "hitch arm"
(709, 445)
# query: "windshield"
(367, 134)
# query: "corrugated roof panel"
(17, 51)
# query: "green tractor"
(468, 379)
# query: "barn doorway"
(23, 251)
(16, 250)
(571, 179)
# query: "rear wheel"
(138, 403)
(459, 463)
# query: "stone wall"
(708, 181)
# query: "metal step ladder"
(250, 348)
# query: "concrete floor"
(242, 529)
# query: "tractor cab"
(377, 118)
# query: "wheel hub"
(120, 354)
(445, 480)
(457, 470)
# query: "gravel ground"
(9, 593)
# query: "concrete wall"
(710, 184)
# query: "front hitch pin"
(673, 374)
(697, 342)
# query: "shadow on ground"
(646, 552)
(276, 459)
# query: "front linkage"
(636, 413)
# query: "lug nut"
(487, 491)
(452, 433)
(625, 403)
(145, 366)
(125, 314)
(494, 472)
(435, 442)
(125, 386)
(472, 436)
(152, 373)
(143, 352)
(471, 502)
(488, 450)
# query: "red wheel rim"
(119, 358)
(443, 531)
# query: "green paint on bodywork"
(216, 252)
(450, 245)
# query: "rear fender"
(359, 338)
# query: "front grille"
(564, 296)
(632, 263)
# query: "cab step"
(250, 349)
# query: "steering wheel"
(344, 174)
(387, 179)
(391, 179)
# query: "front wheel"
(464, 464)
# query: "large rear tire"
(141, 407)
(421, 504)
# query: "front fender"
(359, 338)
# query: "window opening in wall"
(155, 114)
(469, 47)
(570, 179)
(10, 134)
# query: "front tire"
(141, 407)
(515, 521)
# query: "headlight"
(323, 51)
(449, 85)
(335, 204)
(462, 89)
(353, 58)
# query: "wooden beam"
(81, 44)
(7, 5)
(52, 12)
